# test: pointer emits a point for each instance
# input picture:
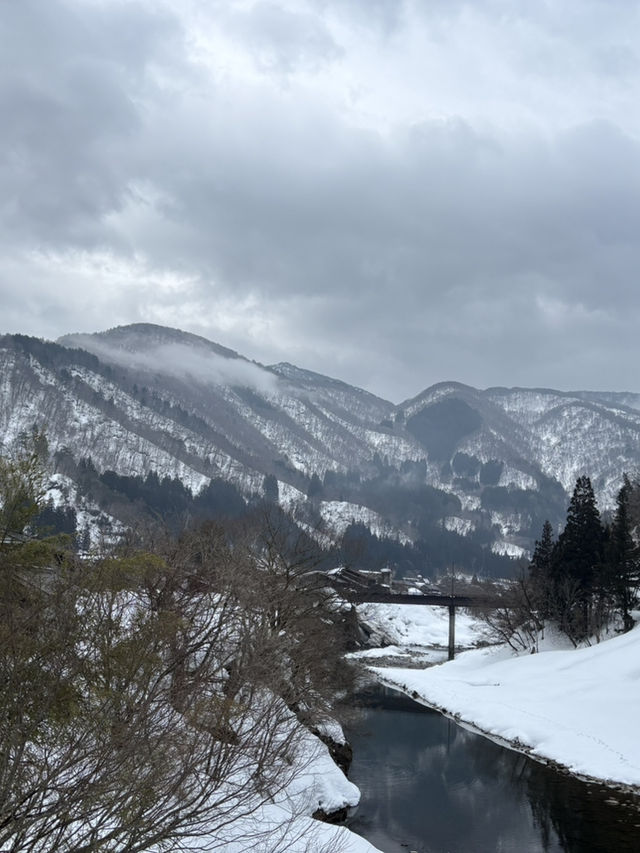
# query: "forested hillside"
(144, 419)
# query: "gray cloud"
(392, 193)
(281, 39)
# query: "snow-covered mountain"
(144, 398)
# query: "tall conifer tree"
(577, 563)
(540, 571)
(579, 552)
(623, 564)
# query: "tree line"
(585, 580)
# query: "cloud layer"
(184, 362)
(394, 193)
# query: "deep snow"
(285, 824)
(575, 707)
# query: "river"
(430, 786)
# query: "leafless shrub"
(515, 620)
(147, 698)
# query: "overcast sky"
(393, 193)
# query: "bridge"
(355, 588)
(432, 599)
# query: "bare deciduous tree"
(147, 697)
(516, 620)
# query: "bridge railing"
(433, 599)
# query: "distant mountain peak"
(136, 337)
(437, 392)
(148, 349)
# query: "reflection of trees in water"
(571, 816)
(580, 814)
(516, 770)
(440, 787)
(483, 783)
(431, 783)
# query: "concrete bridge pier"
(452, 631)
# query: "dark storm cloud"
(324, 183)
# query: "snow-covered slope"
(576, 707)
(146, 398)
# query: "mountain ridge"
(145, 398)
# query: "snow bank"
(576, 707)
(285, 824)
(321, 785)
(422, 625)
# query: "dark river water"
(430, 786)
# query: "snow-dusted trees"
(146, 697)
(592, 572)
(583, 582)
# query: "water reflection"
(586, 818)
(430, 786)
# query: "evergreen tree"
(540, 572)
(579, 552)
(270, 488)
(577, 562)
(623, 563)
(315, 487)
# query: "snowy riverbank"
(286, 823)
(575, 707)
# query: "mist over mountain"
(455, 472)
